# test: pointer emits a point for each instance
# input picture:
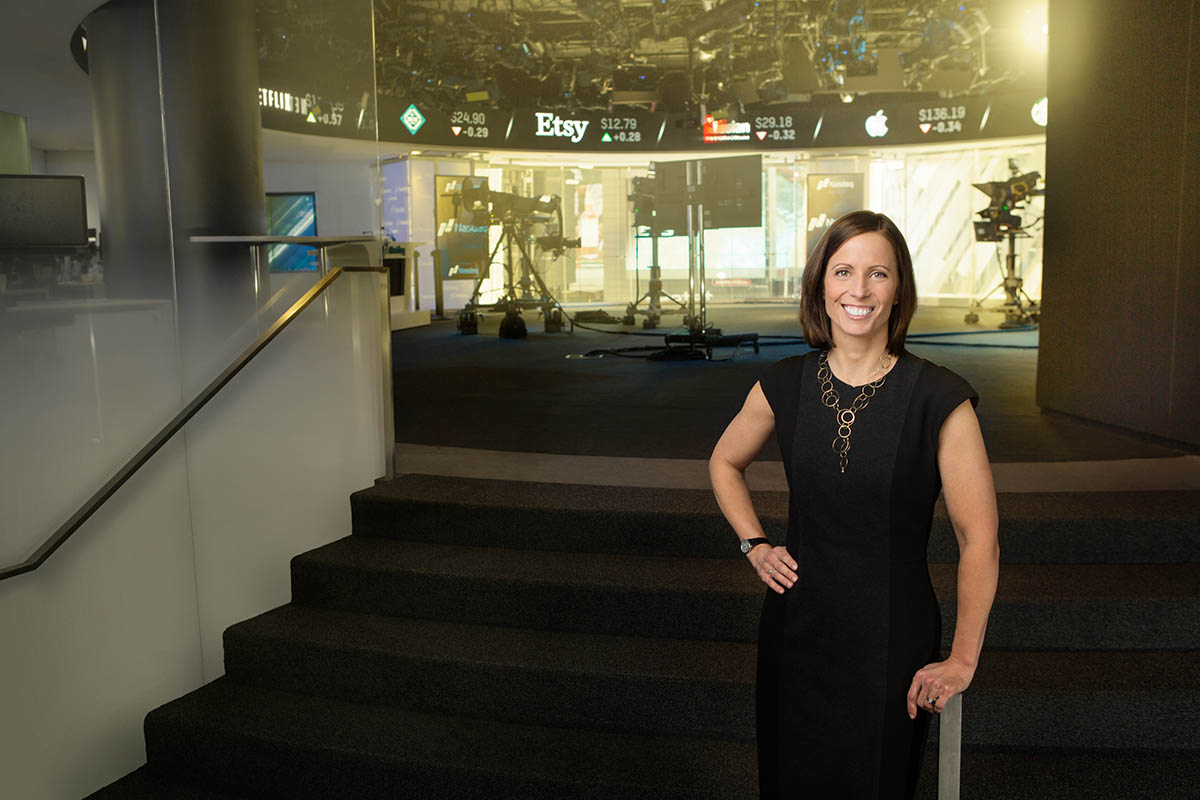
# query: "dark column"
(208, 127)
(1120, 336)
(128, 136)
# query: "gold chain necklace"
(846, 416)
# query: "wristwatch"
(749, 544)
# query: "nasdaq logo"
(819, 222)
(830, 183)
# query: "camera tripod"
(1016, 313)
(518, 292)
(654, 294)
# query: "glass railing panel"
(86, 382)
(273, 459)
(89, 372)
(88, 379)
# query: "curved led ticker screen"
(784, 127)
(602, 77)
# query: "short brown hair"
(813, 318)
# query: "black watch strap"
(749, 544)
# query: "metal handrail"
(122, 475)
(950, 748)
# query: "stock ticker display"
(794, 126)
(783, 127)
(777, 127)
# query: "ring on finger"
(770, 570)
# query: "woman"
(849, 668)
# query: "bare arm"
(741, 442)
(971, 501)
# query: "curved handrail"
(131, 466)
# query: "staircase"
(485, 638)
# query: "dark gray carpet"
(530, 395)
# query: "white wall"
(273, 459)
(346, 192)
(98, 636)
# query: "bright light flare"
(1035, 29)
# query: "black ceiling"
(672, 54)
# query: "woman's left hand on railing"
(934, 684)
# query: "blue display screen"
(292, 214)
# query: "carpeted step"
(271, 744)
(145, 784)
(1038, 606)
(1133, 700)
(1028, 774)
(578, 680)
(1071, 699)
(687, 598)
(1060, 527)
(552, 516)
(986, 774)
(1085, 606)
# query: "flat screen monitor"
(733, 192)
(670, 198)
(42, 211)
(292, 214)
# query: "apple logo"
(1038, 112)
(877, 124)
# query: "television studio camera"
(517, 217)
(999, 222)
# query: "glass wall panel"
(88, 350)
(102, 342)
(928, 192)
(89, 371)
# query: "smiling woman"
(849, 663)
(860, 285)
(863, 261)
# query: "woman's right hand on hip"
(774, 565)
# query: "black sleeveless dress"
(837, 651)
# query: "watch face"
(745, 546)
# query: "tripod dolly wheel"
(971, 318)
(513, 326)
(468, 322)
